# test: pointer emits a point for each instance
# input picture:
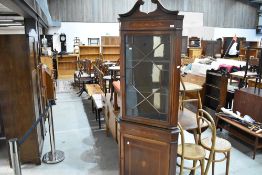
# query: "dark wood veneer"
(148, 143)
(20, 91)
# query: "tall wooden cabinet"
(150, 59)
(20, 92)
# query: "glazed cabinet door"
(147, 83)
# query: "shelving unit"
(66, 65)
(110, 48)
(89, 52)
(110, 52)
(215, 90)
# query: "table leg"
(96, 114)
(99, 117)
(255, 148)
(92, 102)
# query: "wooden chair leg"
(213, 163)
(199, 100)
(227, 164)
(194, 165)
(195, 136)
(202, 163)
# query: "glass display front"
(147, 76)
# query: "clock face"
(62, 38)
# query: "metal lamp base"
(49, 159)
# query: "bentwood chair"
(190, 151)
(196, 152)
(222, 146)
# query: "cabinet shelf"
(111, 53)
(212, 97)
(84, 54)
(213, 86)
(111, 46)
(67, 61)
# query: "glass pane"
(147, 76)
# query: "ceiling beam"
(22, 8)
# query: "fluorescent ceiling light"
(11, 24)
(6, 20)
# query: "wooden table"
(241, 74)
(241, 132)
(109, 63)
(93, 89)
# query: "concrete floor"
(87, 149)
(89, 152)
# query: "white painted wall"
(83, 31)
(249, 34)
(192, 26)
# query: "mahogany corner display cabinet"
(150, 78)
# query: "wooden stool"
(190, 87)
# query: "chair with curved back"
(196, 152)
(222, 146)
(189, 151)
(84, 75)
(106, 78)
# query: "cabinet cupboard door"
(144, 156)
(147, 83)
